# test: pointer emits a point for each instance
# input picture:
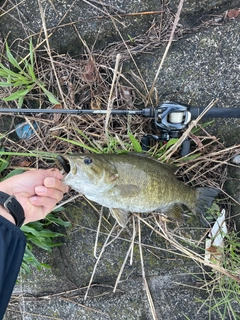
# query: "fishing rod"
(164, 109)
(171, 118)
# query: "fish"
(127, 182)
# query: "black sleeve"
(12, 247)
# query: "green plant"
(130, 39)
(21, 76)
(112, 144)
(38, 234)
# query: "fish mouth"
(64, 163)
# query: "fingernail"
(49, 182)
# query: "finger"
(55, 173)
(55, 183)
(52, 193)
(47, 203)
(42, 173)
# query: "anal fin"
(120, 215)
(173, 211)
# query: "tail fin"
(205, 198)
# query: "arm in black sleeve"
(12, 247)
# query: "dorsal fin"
(169, 166)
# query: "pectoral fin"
(120, 215)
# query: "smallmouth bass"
(133, 183)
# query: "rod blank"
(146, 112)
(67, 111)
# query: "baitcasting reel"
(171, 119)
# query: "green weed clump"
(20, 76)
(114, 144)
(39, 235)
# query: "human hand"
(37, 191)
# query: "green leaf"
(43, 245)
(3, 165)
(31, 73)
(3, 73)
(30, 259)
(136, 145)
(80, 144)
(170, 143)
(43, 154)
(7, 71)
(46, 233)
(22, 81)
(20, 101)
(50, 96)
(203, 125)
(59, 209)
(16, 95)
(24, 266)
(52, 218)
(13, 173)
(11, 59)
(5, 84)
(31, 52)
(188, 158)
(30, 230)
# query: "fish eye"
(87, 161)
